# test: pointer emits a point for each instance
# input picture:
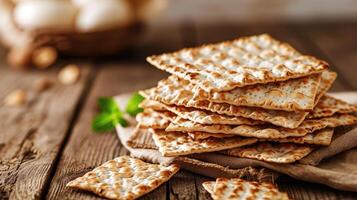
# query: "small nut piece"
(19, 58)
(16, 98)
(42, 84)
(44, 57)
(69, 74)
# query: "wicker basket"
(101, 43)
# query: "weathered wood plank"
(86, 150)
(201, 192)
(32, 134)
(182, 186)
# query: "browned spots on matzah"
(256, 59)
(124, 178)
(235, 188)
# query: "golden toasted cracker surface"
(124, 178)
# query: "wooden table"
(49, 141)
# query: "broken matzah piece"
(264, 131)
(320, 137)
(177, 143)
(235, 188)
(124, 178)
(290, 95)
(155, 119)
(329, 105)
(244, 61)
(271, 152)
(174, 92)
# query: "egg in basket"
(35, 30)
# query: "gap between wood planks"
(73, 120)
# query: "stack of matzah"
(253, 97)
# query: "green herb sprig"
(110, 114)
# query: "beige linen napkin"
(335, 165)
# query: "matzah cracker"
(204, 135)
(333, 121)
(272, 152)
(320, 137)
(209, 186)
(263, 131)
(124, 178)
(239, 189)
(174, 91)
(244, 61)
(154, 105)
(155, 119)
(177, 143)
(207, 117)
(329, 105)
(290, 95)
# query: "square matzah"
(244, 61)
(178, 92)
(264, 131)
(124, 178)
(239, 189)
(177, 143)
(271, 152)
(290, 95)
(320, 137)
(199, 116)
(155, 119)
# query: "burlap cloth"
(335, 165)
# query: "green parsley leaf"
(103, 122)
(107, 104)
(118, 119)
(109, 116)
(133, 105)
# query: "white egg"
(44, 14)
(103, 15)
(81, 3)
(148, 9)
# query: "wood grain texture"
(32, 134)
(85, 149)
(182, 186)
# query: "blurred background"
(248, 11)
